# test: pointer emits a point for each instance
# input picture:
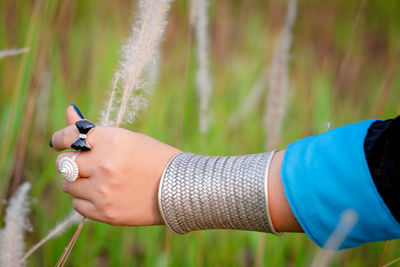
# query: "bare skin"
(119, 178)
(282, 216)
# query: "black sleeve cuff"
(382, 150)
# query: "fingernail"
(77, 111)
(50, 143)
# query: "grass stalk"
(383, 253)
(64, 257)
(181, 112)
(277, 95)
(31, 103)
(387, 85)
(16, 102)
(251, 100)
(200, 20)
(348, 220)
(391, 262)
(344, 65)
(13, 52)
(279, 79)
(72, 219)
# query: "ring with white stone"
(68, 168)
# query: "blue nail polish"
(77, 111)
(50, 143)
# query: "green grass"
(79, 41)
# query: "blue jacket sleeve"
(324, 175)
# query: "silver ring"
(68, 168)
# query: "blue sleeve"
(324, 175)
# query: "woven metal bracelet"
(201, 192)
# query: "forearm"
(241, 192)
(308, 187)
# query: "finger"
(82, 160)
(80, 188)
(64, 138)
(73, 114)
(86, 209)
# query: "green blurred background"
(344, 68)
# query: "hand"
(119, 177)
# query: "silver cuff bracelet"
(202, 192)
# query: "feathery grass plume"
(348, 220)
(199, 20)
(249, 102)
(12, 244)
(153, 72)
(72, 219)
(13, 52)
(279, 79)
(129, 90)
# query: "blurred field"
(344, 68)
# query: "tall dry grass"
(251, 100)
(279, 79)
(294, 247)
(12, 236)
(276, 80)
(129, 89)
(13, 52)
(200, 20)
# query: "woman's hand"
(119, 177)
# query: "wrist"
(163, 164)
(282, 217)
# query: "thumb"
(73, 114)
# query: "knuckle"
(110, 216)
(107, 167)
(108, 212)
(104, 190)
